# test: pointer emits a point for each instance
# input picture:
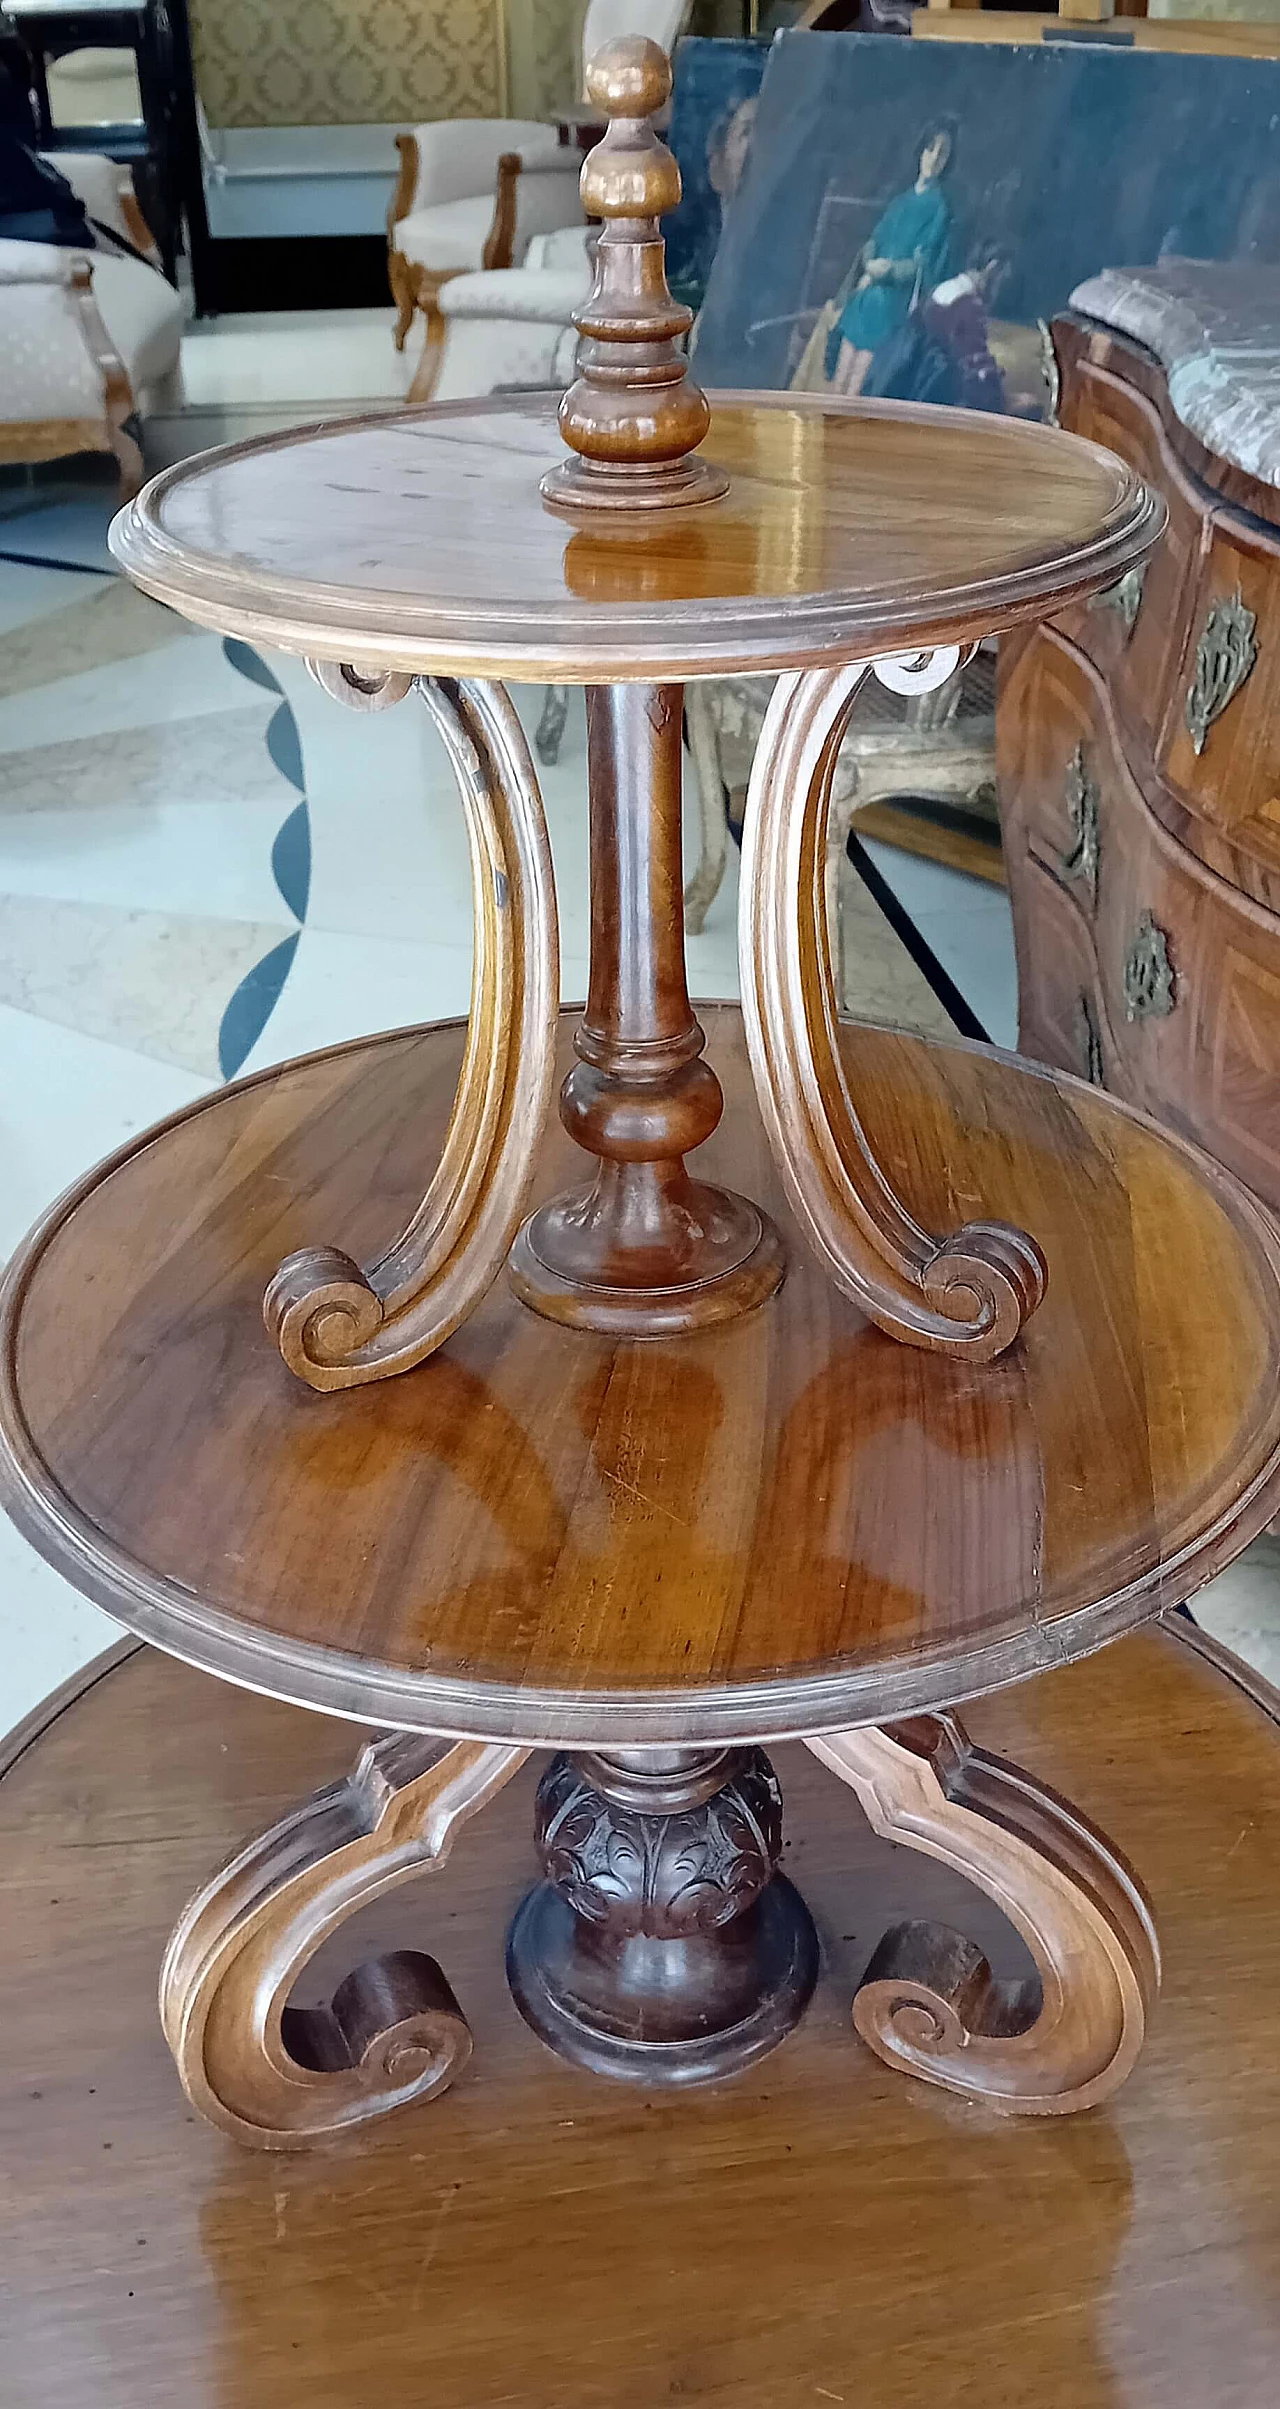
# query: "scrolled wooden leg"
(929, 2003)
(968, 1294)
(278, 2077)
(338, 1324)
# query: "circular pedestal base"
(574, 485)
(537, 2234)
(664, 2011)
(733, 1260)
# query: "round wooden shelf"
(816, 2230)
(420, 541)
(794, 1524)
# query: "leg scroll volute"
(968, 1294)
(336, 1323)
(279, 2077)
(929, 2003)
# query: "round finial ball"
(630, 77)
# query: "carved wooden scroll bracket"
(337, 1324)
(279, 2077)
(968, 1294)
(929, 2004)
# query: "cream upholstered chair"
(88, 340)
(474, 192)
(512, 328)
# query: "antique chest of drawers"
(1138, 739)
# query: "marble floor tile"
(109, 622)
(975, 948)
(28, 595)
(213, 757)
(67, 1098)
(67, 521)
(276, 357)
(153, 982)
(210, 859)
(1242, 1607)
(187, 678)
(341, 986)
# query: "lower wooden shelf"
(813, 2230)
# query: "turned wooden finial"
(634, 416)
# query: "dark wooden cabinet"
(1138, 744)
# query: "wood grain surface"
(421, 542)
(790, 1524)
(815, 2231)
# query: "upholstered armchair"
(474, 192)
(88, 340)
(511, 328)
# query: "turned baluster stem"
(645, 1250)
(640, 1096)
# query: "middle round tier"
(421, 541)
(786, 1525)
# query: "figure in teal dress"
(908, 253)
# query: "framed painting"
(909, 212)
(713, 111)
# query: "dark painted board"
(1063, 159)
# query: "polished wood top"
(421, 541)
(818, 2230)
(791, 1523)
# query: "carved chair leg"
(967, 1294)
(427, 291)
(336, 1323)
(929, 2003)
(713, 828)
(279, 2077)
(402, 276)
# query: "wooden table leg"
(929, 2003)
(337, 1324)
(968, 1294)
(279, 2077)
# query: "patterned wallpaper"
(350, 62)
(544, 44)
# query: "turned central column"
(643, 1249)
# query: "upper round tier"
(420, 541)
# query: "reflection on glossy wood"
(421, 542)
(913, 2249)
(551, 1535)
(929, 2002)
(337, 1325)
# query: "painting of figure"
(907, 253)
(909, 211)
(713, 113)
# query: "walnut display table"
(1018, 1391)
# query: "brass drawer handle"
(1150, 988)
(1083, 801)
(1124, 597)
(1225, 655)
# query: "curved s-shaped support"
(929, 2003)
(335, 1323)
(278, 2077)
(964, 1295)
